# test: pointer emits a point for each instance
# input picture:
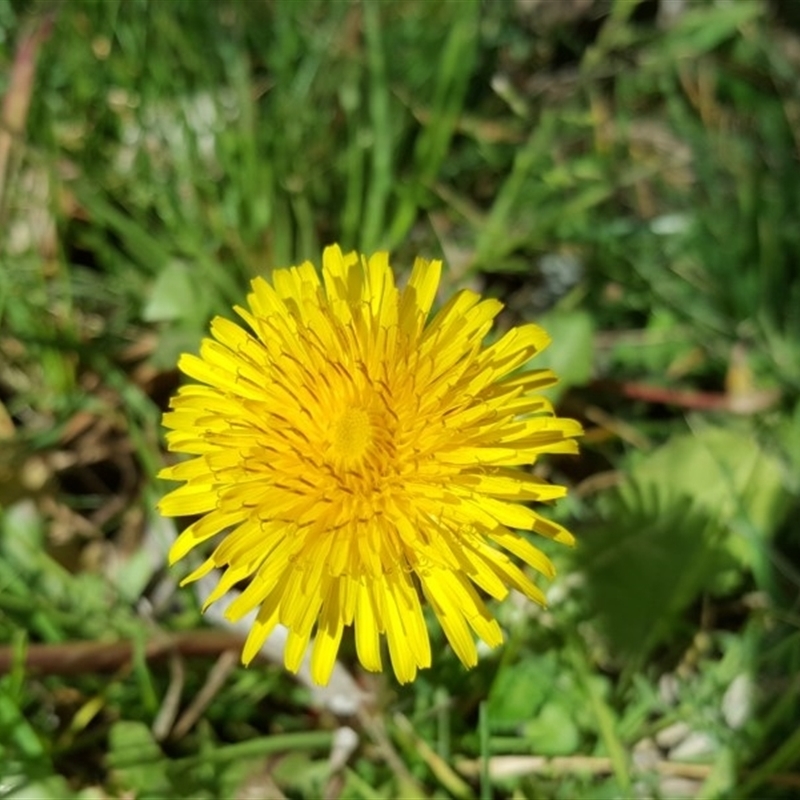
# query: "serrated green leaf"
(731, 480)
(644, 565)
(686, 515)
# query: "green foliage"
(571, 352)
(137, 762)
(696, 515)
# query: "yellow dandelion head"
(355, 456)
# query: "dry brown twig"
(75, 658)
(17, 100)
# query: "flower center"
(352, 435)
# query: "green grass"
(629, 181)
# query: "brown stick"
(749, 403)
(75, 658)
(14, 111)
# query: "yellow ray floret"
(352, 457)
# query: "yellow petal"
(351, 452)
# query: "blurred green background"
(625, 173)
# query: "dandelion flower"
(356, 457)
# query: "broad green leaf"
(520, 689)
(571, 351)
(553, 732)
(727, 476)
(302, 773)
(137, 761)
(174, 295)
